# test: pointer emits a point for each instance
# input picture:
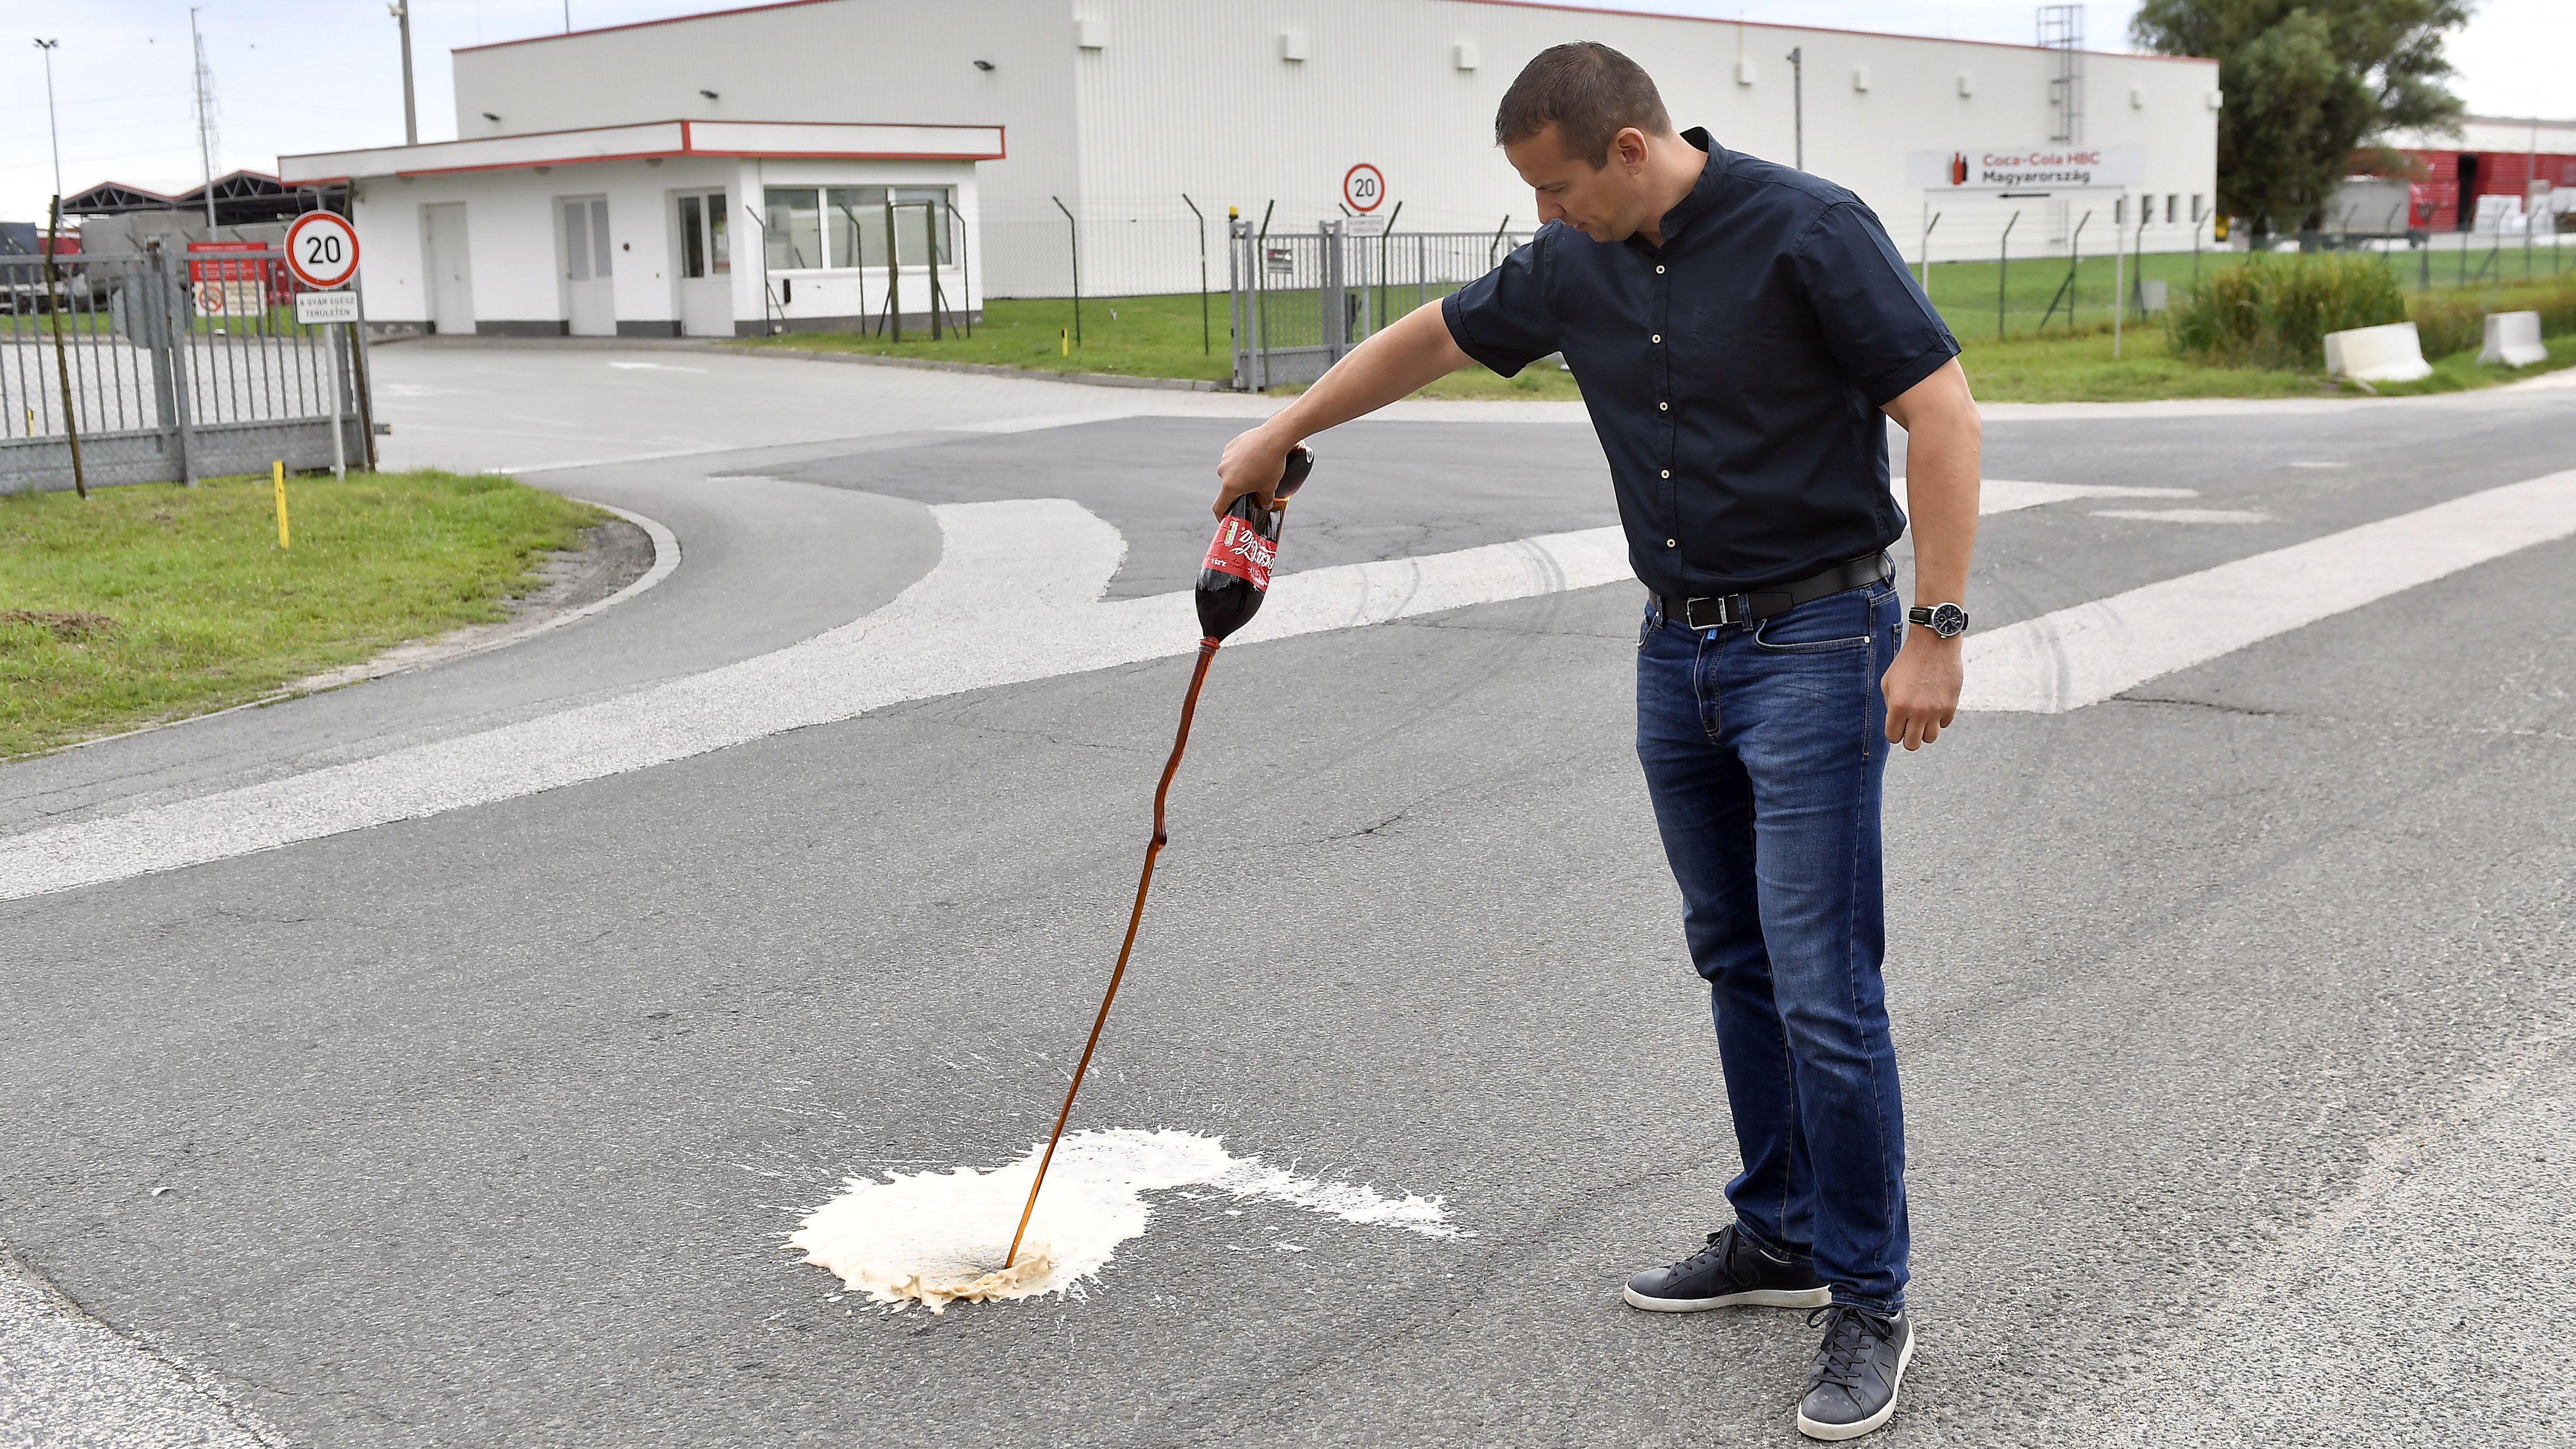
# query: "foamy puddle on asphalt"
(940, 1237)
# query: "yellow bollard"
(1064, 340)
(279, 473)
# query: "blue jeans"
(1763, 746)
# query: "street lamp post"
(401, 12)
(52, 125)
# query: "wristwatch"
(1947, 620)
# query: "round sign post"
(322, 253)
(1364, 188)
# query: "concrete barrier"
(2390, 353)
(2513, 338)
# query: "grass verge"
(1124, 336)
(153, 602)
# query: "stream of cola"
(1232, 582)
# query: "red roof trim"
(688, 147)
(1514, 4)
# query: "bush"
(2449, 322)
(2274, 311)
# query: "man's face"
(1606, 203)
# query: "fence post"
(366, 391)
(1330, 299)
(174, 331)
(894, 274)
(1074, 231)
(930, 239)
(55, 298)
(2003, 270)
(963, 321)
(1206, 344)
(1926, 250)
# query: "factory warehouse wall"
(1119, 109)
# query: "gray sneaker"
(1858, 1368)
(1729, 1273)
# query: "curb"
(802, 354)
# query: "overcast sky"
(315, 75)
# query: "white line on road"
(2086, 654)
(2011, 495)
(2185, 515)
(1053, 559)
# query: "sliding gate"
(1302, 299)
(165, 367)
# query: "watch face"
(1949, 620)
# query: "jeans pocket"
(1818, 626)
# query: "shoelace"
(1717, 1251)
(1850, 1333)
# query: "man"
(1738, 329)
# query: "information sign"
(316, 309)
(2026, 171)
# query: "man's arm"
(1417, 350)
(1942, 441)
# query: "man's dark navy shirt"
(1734, 374)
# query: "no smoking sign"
(1364, 188)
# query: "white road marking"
(1051, 558)
(1054, 559)
(2011, 495)
(2186, 515)
(2086, 654)
(2317, 463)
(652, 367)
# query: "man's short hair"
(1589, 92)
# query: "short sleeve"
(1880, 327)
(1502, 318)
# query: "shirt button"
(1658, 337)
(1659, 271)
(1672, 543)
(1668, 472)
(1663, 407)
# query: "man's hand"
(1922, 688)
(1253, 463)
(1413, 351)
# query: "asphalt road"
(2231, 1009)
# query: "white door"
(451, 282)
(589, 295)
(706, 266)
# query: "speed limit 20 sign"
(1364, 188)
(322, 250)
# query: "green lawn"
(1127, 336)
(153, 601)
(2067, 360)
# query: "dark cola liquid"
(1237, 571)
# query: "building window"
(703, 250)
(792, 229)
(2173, 208)
(856, 220)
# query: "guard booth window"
(849, 227)
(792, 229)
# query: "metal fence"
(1302, 299)
(167, 367)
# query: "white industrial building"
(1133, 126)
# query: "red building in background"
(2492, 156)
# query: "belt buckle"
(1692, 620)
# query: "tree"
(2308, 83)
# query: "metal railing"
(168, 367)
(1300, 300)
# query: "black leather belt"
(1717, 611)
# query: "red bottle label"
(1240, 550)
